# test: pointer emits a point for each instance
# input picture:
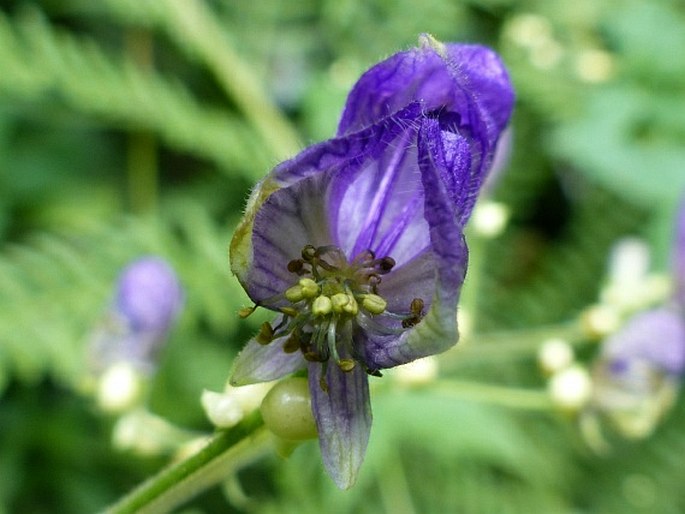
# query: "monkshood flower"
(640, 367)
(639, 371)
(147, 300)
(357, 243)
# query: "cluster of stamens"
(329, 294)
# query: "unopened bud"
(287, 410)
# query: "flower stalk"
(224, 454)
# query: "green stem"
(511, 344)
(224, 454)
(494, 394)
(142, 145)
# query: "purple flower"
(357, 242)
(147, 300)
(640, 366)
(638, 373)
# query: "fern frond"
(38, 61)
(55, 289)
(196, 31)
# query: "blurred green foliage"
(138, 126)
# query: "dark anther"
(374, 281)
(323, 384)
(386, 264)
(410, 322)
(374, 372)
(312, 356)
(308, 253)
(289, 311)
(292, 344)
(246, 311)
(416, 309)
(346, 365)
(295, 266)
(325, 265)
(265, 334)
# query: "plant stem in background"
(142, 166)
(225, 453)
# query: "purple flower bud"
(147, 300)
(149, 295)
(638, 373)
(656, 337)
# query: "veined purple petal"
(467, 80)
(263, 363)
(656, 337)
(343, 419)
(305, 210)
(438, 330)
(465, 86)
(378, 206)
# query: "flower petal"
(263, 363)
(467, 80)
(343, 419)
(295, 203)
(438, 329)
(656, 337)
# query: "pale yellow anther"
(339, 300)
(351, 307)
(309, 288)
(374, 304)
(321, 306)
(294, 294)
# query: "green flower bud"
(287, 410)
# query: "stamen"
(339, 301)
(374, 303)
(246, 311)
(308, 253)
(289, 311)
(266, 334)
(385, 264)
(292, 344)
(296, 266)
(346, 365)
(332, 297)
(321, 306)
(416, 306)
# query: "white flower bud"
(571, 388)
(119, 388)
(555, 355)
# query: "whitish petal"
(343, 419)
(263, 363)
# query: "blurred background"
(137, 127)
